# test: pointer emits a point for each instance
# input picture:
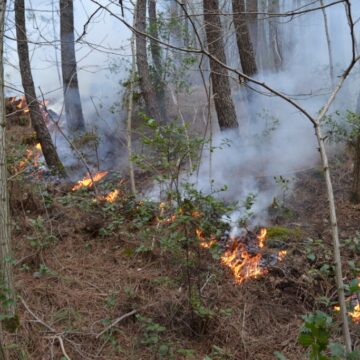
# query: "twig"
(242, 330)
(116, 321)
(62, 347)
(36, 317)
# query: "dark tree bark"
(246, 51)
(73, 109)
(147, 89)
(159, 83)
(219, 76)
(252, 8)
(37, 119)
(7, 306)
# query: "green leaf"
(305, 339)
(311, 257)
(354, 287)
(279, 355)
(163, 350)
(337, 350)
(355, 355)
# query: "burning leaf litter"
(354, 300)
(88, 181)
(245, 261)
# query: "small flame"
(112, 196)
(355, 312)
(281, 255)
(204, 243)
(30, 155)
(88, 181)
(262, 237)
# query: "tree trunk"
(6, 280)
(129, 115)
(275, 40)
(246, 51)
(219, 76)
(156, 57)
(37, 120)
(329, 46)
(355, 190)
(148, 91)
(253, 8)
(73, 109)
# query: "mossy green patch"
(283, 233)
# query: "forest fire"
(88, 182)
(204, 243)
(112, 196)
(31, 156)
(354, 300)
(245, 256)
(243, 263)
(355, 314)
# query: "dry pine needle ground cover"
(78, 269)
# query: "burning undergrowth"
(90, 252)
(106, 259)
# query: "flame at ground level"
(355, 312)
(245, 265)
(110, 197)
(242, 264)
(88, 181)
(32, 156)
(204, 243)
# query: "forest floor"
(80, 265)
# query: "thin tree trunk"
(73, 109)
(6, 279)
(355, 190)
(329, 46)
(219, 76)
(333, 217)
(275, 40)
(147, 89)
(129, 117)
(156, 57)
(245, 48)
(37, 120)
(336, 242)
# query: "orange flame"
(355, 313)
(112, 196)
(204, 243)
(281, 255)
(242, 264)
(30, 155)
(262, 237)
(88, 181)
